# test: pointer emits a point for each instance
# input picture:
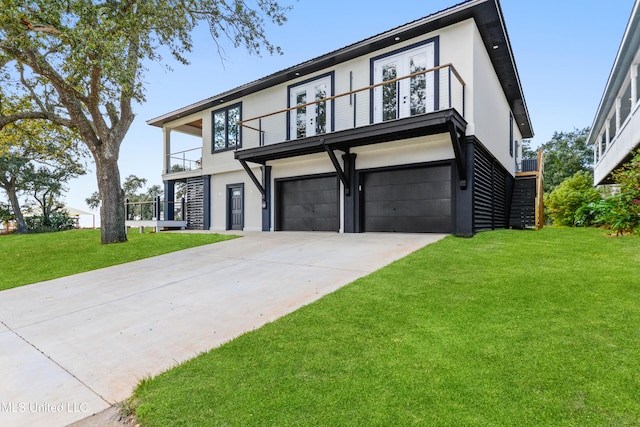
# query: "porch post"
(349, 161)
(206, 202)
(463, 202)
(169, 200)
(266, 200)
(166, 135)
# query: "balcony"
(186, 160)
(426, 102)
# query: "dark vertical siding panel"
(489, 191)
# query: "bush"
(566, 202)
(627, 203)
(58, 221)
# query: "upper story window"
(407, 96)
(226, 134)
(315, 118)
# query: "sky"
(564, 51)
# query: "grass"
(31, 258)
(507, 328)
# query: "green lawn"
(31, 258)
(509, 328)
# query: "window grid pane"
(233, 116)
(389, 93)
(219, 131)
(226, 133)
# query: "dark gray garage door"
(309, 204)
(415, 200)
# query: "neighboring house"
(615, 132)
(417, 129)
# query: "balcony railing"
(426, 91)
(154, 210)
(186, 160)
(529, 165)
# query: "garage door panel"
(324, 224)
(308, 204)
(308, 197)
(299, 211)
(325, 210)
(417, 191)
(292, 224)
(410, 208)
(411, 176)
(408, 200)
(412, 225)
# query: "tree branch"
(40, 28)
(35, 115)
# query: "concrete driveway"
(74, 346)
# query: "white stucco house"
(417, 129)
(615, 132)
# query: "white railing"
(438, 88)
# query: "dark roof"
(489, 20)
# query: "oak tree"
(80, 64)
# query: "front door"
(236, 211)
(310, 120)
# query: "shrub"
(58, 221)
(565, 203)
(628, 200)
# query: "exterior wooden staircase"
(527, 202)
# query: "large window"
(410, 96)
(226, 133)
(312, 117)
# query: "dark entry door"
(235, 203)
(308, 204)
(413, 200)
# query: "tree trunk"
(15, 206)
(112, 215)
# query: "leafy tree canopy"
(80, 64)
(566, 154)
(31, 151)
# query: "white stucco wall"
(415, 150)
(490, 107)
(252, 200)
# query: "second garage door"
(413, 200)
(308, 204)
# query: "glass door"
(309, 120)
(407, 96)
